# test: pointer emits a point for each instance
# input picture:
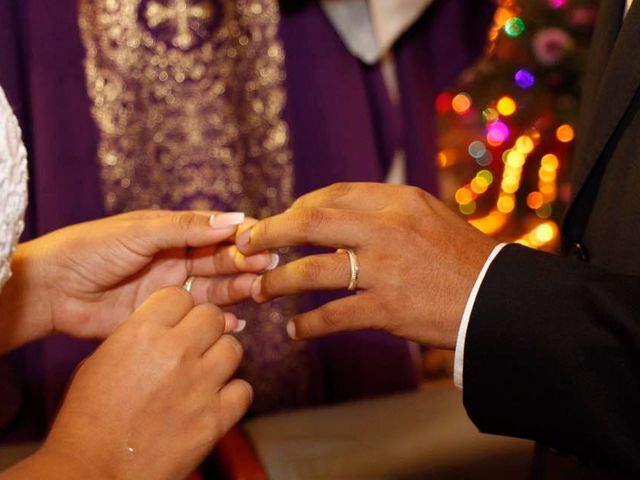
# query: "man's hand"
(418, 261)
(86, 279)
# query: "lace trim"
(13, 186)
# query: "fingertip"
(240, 326)
(292, 330)
(226, 220)
(256, 290)
(230, 322)
(259, 262)
(243, 239)
(275, 261)
(246, 388)
(249, 389)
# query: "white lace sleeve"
(13, 186)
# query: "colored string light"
(524, 78)
(514, 27)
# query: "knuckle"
(330, 316)
(311, 219)
(184, 220)
(340, 188)
(145, 333)
(309, 270)
(414, 196)
(267, 286)
(175, 293)
(260, 230)
(207, 310)
(173, 356)
(234, 345)
(300, 202)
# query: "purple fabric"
(343, 128)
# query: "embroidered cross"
(182, 14)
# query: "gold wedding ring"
(355, 268)
(188, 284)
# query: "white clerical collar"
(370, 28)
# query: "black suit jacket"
(553, 345)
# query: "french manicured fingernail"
(240, 327)
(244, 238)
(256, 288)
(275, 261)
(226, 220)
(291, 330)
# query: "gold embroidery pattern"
(188, 98)
(181, 126)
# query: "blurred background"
(507, 128)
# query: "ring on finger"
(188, 283)
(354, 265)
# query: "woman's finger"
(235, 399)
(227, 260)
(222, 359)
(166, 307)
(201, 328)
(331, 271)
(147, 236)
(322, 227)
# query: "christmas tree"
(507, 128)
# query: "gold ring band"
(188, 284)
(354, 264)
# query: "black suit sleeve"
(552, 354)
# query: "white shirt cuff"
(458, 361)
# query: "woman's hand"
(151, 402)
(418, 261)
(86, 279)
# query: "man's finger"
(222, 291)
(331, 271)
(321, 227)
(227, 260)
(352, 196)
(357, 312)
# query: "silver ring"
(188, 284)
(354, 264)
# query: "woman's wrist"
(25, 300)
(55, 464)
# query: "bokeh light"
(524, 78)
(565, 133)
(535, 200)
(525, 144)
(477, 149)
(557, 3)
(461, 103)
(497, 133)
(506, 106)
(490, 115)
(506, 203)
(514, 27)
